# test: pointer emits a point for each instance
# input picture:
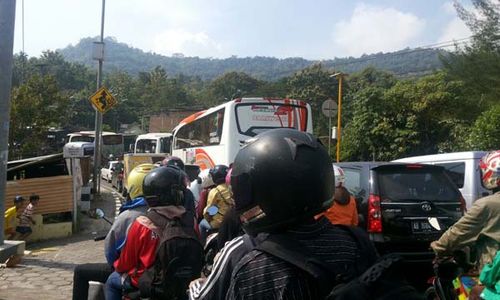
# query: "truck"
(154, 143)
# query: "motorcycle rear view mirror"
(212, 210)
(99, 213)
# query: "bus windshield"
(146, 146)
(254, 118)
(112, 139)
(82, 138)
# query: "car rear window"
(415, 183)
(456, 171)
(353, 181)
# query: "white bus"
(215, 135)
(112, 143)
(158, 143)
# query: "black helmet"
(18, 199)
(164, 186)
(219, 173)
(280, 177)
(175, 161)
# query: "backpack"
(178, 261)
(379, 279)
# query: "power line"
(440, 45)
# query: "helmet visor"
(242, 191)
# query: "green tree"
(36, 106)
(229, 86)
(478, 64)
(126, 90)
(437, 105)
(314, 85)
(485, 133)
(389, 119)
(160, 92)
(382, 128)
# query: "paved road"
(48, 272)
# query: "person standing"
(11, 216)
(26, 220)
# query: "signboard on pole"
(102, 100)
(329, 108)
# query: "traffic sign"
(329, 108)
(102, 100)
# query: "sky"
(314, 29)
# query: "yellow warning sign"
(102, 100)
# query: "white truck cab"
(153, 143)
(463, 169)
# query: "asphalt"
(47, 272)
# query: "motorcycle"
(96, 288)
(454, 278)
(99, 214)
(210, 248)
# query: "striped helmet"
(339, 176)
(490, 169)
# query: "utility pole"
(339, 76)
(99, 55)
(7, 20)
(339, 123)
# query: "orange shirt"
(342, 214)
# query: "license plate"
(422, 227)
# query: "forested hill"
(120, 56)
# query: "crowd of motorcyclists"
(280, 215)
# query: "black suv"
(402, 206)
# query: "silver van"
(463, 169)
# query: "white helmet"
(206, 179)
(339, 176)
(490, 169)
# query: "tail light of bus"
(374, 214)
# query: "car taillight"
(414, 166)
(463, 205)
(374, 214)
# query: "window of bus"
(165, 144)
(254, 118)
(146, 146)
(112, 139)
(206, 131)
(81, 138)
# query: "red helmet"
(490, 170)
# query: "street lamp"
(339, 76)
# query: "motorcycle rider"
(281, 179)
(115, 239)
(189, 198)
(135, 206)
(220, 197)
(164, 190)
(206, 184)
(481, 224)
(343, 210)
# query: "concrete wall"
(49, 231)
